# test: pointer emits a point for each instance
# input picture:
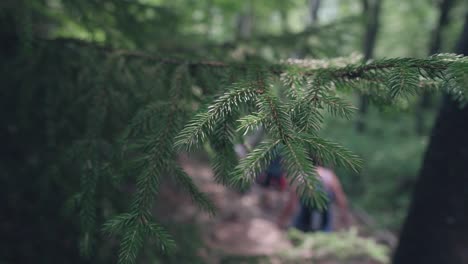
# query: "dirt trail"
(244, 225)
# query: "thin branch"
(350, 72)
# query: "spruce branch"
(146, 120)
(456, 77)
(157, 160)
(251, 123)
(254, 163)
(331, 152)
(118, 223)
(134, 236)
(433, 67)
(196, 131)
(130, 244)
(161, 236)
(403, 80)
(198, 197)
(221, 140)
(338, 107)
(305, 117)
(278, 120)
(303, 174)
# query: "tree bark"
(434, 47)
(371, 11)
(436, 228)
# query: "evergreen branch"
(338, 107)
(362, 70)
(403, 80)
(295, 83)
(305, 117)
(130, 244)
(158, 159)
(159, 156)
(147, 186)
(134, 230)
(433, 64)
(303, 174)
(254, 163)
(222, 143)
(456, 80)
(118, 224)
(224, 161)
(146, 119)
(299, 166)
(250, 123)
(331, 152)
(243, 92)
(349, 72)
(162, 237)
(278, 121)
(198, 197)
(196, 131)
(181, 83)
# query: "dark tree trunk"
(436, 228)
(434, 47)
(371, 11)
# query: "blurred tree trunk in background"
(434, 47)
(314, 6)
(436, 228)
(371, 13)
(245, 22)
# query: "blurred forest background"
(75, 73)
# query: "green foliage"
(337, 247)
(148, 138)
(252, 165)
(457, 77)
(341, 246)
(291, 125)
(332, 153)
(107, 121)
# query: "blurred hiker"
(274, 176)
(309, 218)
(272, 179)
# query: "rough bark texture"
(436, 228)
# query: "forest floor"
(244, 225)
